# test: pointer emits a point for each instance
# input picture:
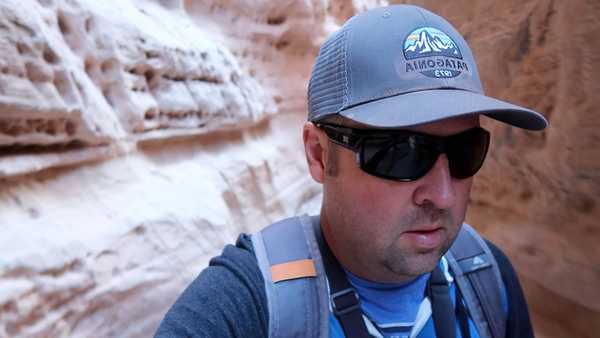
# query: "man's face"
(392, 231)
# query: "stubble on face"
(373, 246)
(406, 261)
(331, 168)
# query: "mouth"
(426, 229)
(425, 238)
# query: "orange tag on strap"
(292, 270)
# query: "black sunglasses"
(407, 156)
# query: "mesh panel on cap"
(327, 90)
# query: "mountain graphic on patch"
(428, 41)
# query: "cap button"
(386, 14)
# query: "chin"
(414, 264)
(427, 262)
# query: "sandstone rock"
(136, 139)
(80, 74)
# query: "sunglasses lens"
(466, 152)
(398, 158)
(409, 157)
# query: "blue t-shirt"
(398, 310)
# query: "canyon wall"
(138, 137)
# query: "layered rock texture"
(138, 137)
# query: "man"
(393, 136)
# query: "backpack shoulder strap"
(295, 283)
(478, 278)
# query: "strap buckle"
(344, 301)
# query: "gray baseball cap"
(401, 66)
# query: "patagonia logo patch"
(433, 53)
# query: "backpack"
(297, 289)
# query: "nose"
(437, 187)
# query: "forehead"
(440, 128)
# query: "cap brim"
(426, 106)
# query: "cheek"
(381, 196)
(463, 192)
(379, 202)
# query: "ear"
(315, 147)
